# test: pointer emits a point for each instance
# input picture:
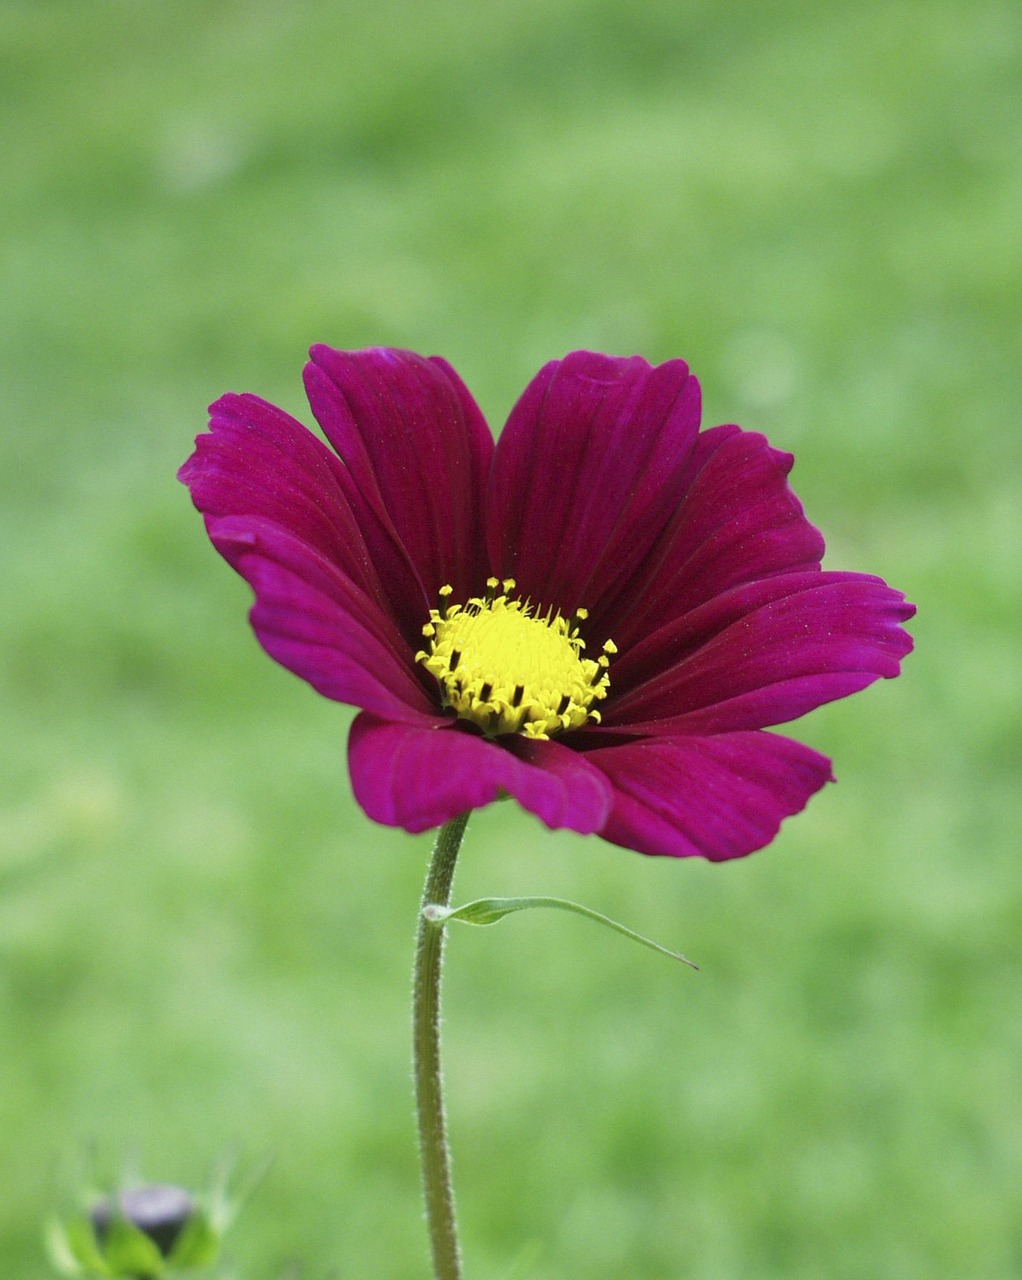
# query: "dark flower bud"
(158, 1210)
(147, 1230)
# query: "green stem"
(429, 952)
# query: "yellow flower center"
(509, 668)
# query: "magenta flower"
(600, 615)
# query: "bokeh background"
(203, 943)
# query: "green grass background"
(203, 942)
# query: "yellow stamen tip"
(510, 668)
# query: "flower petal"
(275, 508)
(737, 522)
(315, 621)
(418, 451)
(258, 461)
(415, 778)
(586, 474)
(711, 797)
(804, 640)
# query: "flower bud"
(158, 1210)
(142, 1233)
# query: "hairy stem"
(429, 952)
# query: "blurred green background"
(203, 942)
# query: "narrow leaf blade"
(483, 911)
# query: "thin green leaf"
(197, 1245)
(130, 1252)
(72, 1246)
(491, 910)
(232, 1186)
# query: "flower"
(142, 1233)
(600, 615)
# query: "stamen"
(509, 667)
